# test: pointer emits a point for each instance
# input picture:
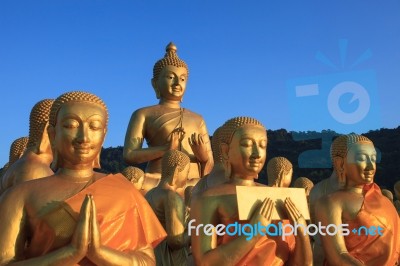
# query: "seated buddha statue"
(169, 206)
(36, 160)
(77, 216)
(358, 204)
(243, 148)
(168, 126)
(17, 149)
(279, 172)
(135, 176)
(304, 182)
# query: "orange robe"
(376, 211)
(268, 251)
(126, 221)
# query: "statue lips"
(82, 149)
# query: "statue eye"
(183, 78)
(96, 125)
(70, 123)
(263, 144)
(361, 158)
(246, 143)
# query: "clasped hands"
(86, 240)
(263, 213)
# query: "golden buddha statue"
(387, 193)
(36, 160)
(279, 172)
(358, 204)
(77, 216)
(304, 182)
(17, 148)
(135, 176)
(217, 174)
(169, 206)
(243, 148)
(397, 194)
(168, 126)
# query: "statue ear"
(224, 149)
(338, 163)
(51, 132)
(44, 141)
(96, 162)
(154, 84)
(225, 159)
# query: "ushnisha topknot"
(341, 145)
(74, 96)
(170, 59)
(173, 159)
(17, 148)
(229, 127)
(38, 119)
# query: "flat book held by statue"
(250, 197)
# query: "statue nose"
(83, 134)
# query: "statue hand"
(95, 234)
(293, 213)
(263, 213)
(199, 149)
(177, 136)
(80, 238)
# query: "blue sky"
(245, 58)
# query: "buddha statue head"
(216, 145)
(77, 128)
(279, 171)
(243, 147)
(170, 76)
(304, 182)
(38, 121)
(134, 175)
(17, 148)
(175, 168)
(388, 194)
(354, 160)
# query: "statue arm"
(177, 236)
(133, 152)
(13, 235)
(328, 210)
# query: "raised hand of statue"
(198, 146)
(263, 213)
(294, 214)
(177, 136)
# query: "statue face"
(248, 151)
(79, 133)
(286, 179)
(360, 164)
(171, 83)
